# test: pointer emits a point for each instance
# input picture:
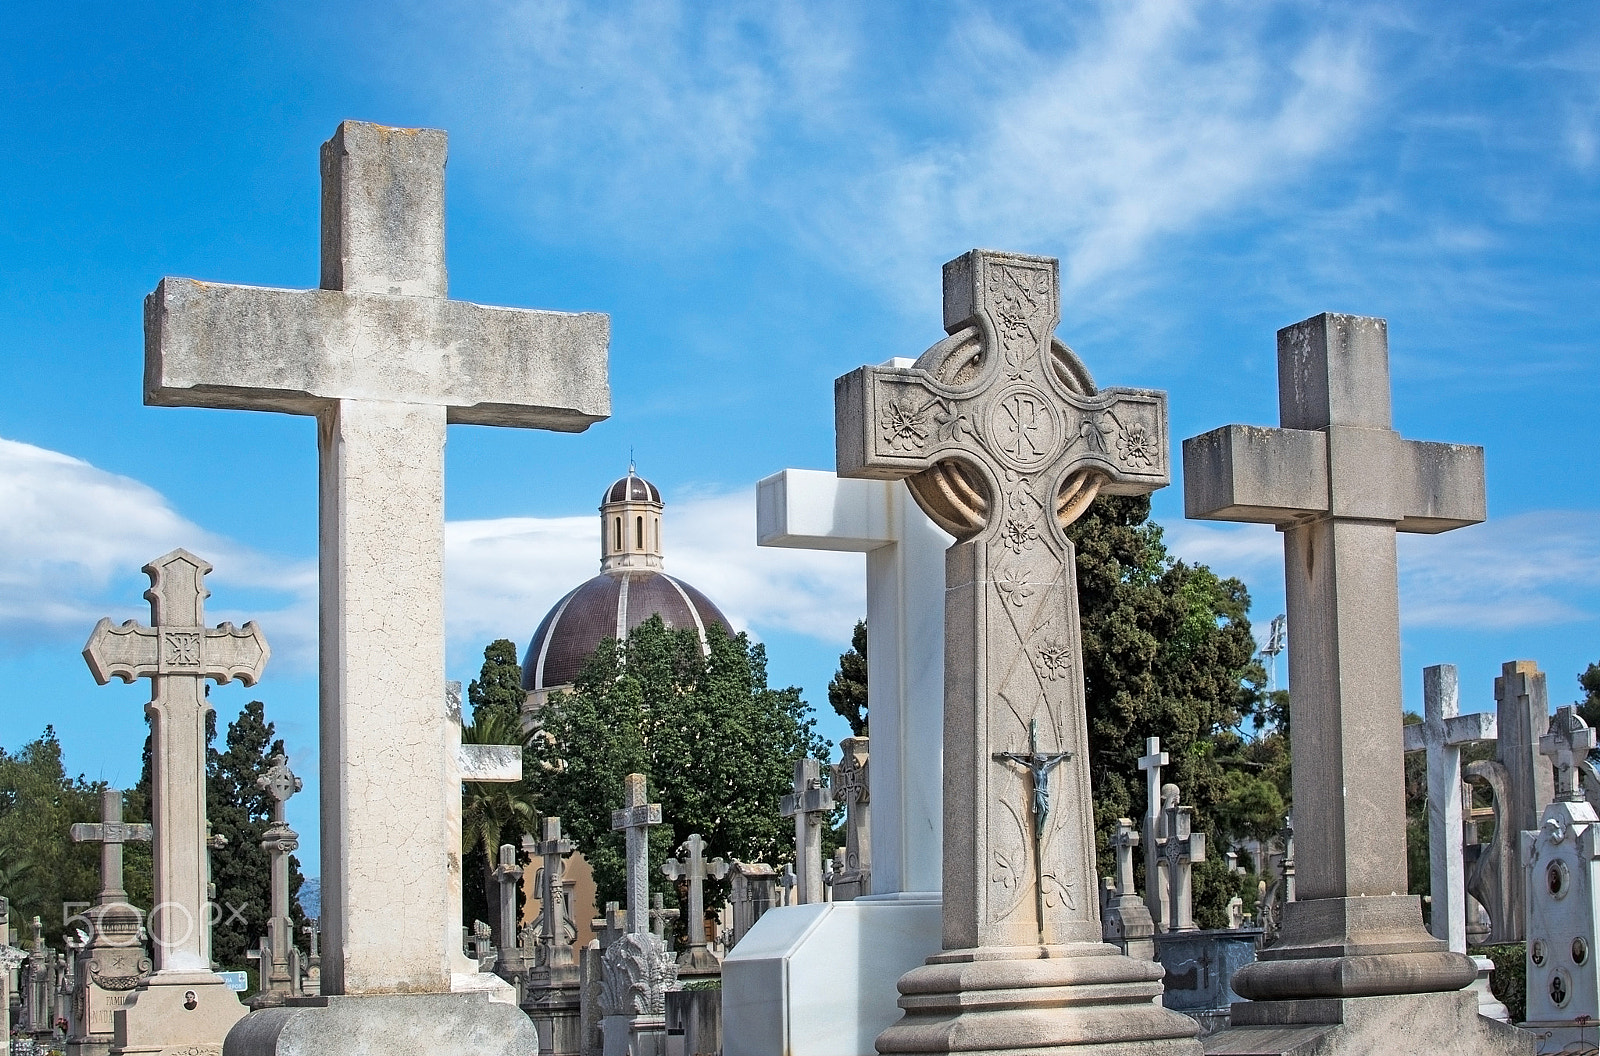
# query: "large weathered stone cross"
(111, 832)
(695, 867)
(635, 818)
(177, 653)
(1004, 439)
(553, 849)
(1441, 734)
(809, 803)
(383, 359)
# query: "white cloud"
(71, 534)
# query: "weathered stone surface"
(809, 805)
(1369, 1026)
(383, 360)
(381, 1025)
(1339, 482)
(113, 961)
(693, 869)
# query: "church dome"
(630, 588)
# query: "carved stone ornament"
(635, 974)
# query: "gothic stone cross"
(1339, 482)
(695, 868)
(809, 803)
(1180, 850)
(635, 818)
(1155, 880)
(110, 833)
(1568, 741)
(280, 841)
(383, 360)
(851, 785)
(1441, 734)
(554, 850)
(1004, 439)
(177, 653)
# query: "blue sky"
(761, 196)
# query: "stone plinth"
(1200, 966)
(694, 1023)
(436, 1024)
(1433, 1023)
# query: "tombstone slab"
(384, 361)
(1339, 482)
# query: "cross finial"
(1567, 743)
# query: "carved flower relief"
(1055, 660)
(1014, 587)
(1057, 890)
(904, 424)
(1020, 535)
(1136, 446)
(950, 426)
(1019, 494)
(1006, 873)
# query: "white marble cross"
(695, 867)
(1339, 482)
(384, 360)
(178, 653)
(635, 818)
(813, 510)
(1442, 733)
(1566, 745)
(1155, 878)
(809, 804)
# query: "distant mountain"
(311, 897)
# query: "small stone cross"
(787, 881)
(507, 874)
(1180, 851)
(280, 841)
(1123, 841)
(111, 833)
(1442, 733)
(635, 818)
(178, 653)
(809, 804)
(1566, 745)
(1155, 881)
(694, 868)
(851, 785)
(280, 783)
(659, 915)
(554, 849)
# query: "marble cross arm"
(1458, 729)
(111, 832)
(1281, 476)
(892, 422)
(248, 347)
(131, 651)
(490, 763)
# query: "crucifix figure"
(384, 360)
(1155, 878)
(1339, 482)
(1442, 733)
(178, 653)
(1003, 440)
(809, 804)
(694, 868)
(1039, 765)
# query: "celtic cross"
(1004, 440)
(177, 653)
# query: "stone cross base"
(176, 1013)
(634, 1035)
(557, 1014)
(1125, 923)
(1085, 997)
(1334, 1027)
(1354, 947)
(436, 1024)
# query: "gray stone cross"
(280, 841)
(694, 868)
(851, 784)
(635, 819)
(111, 832)
(660, 914)
(1004, 439)
(507, 874)
(177, 653)
(1442, 733)
(1155, 878)
(1567, 743)
(1181, 849)
(383, 359)
(809, 805)
(553, 850)
(1339, 482)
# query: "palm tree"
(492, 814)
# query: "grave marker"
(809, 804)
(694, 868)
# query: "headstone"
(851, 784)
(1181, 850)
(1339, 482)
(113, 960)
(755, 891)
(1563, 870)
(280, 974)
(1125, 920)
(183, 1004)
(694, 868)
(1155, 877)
(1519, 780)
(1004, 439)
(384, 360)
(636, 971)
(810, 804)
(1441, 734)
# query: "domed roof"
(632, 488)
(609, 606)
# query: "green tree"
(39, 804)
(717, 744)
(847, 692)
(1167, 652)
(1589, 706)
(498, 687)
